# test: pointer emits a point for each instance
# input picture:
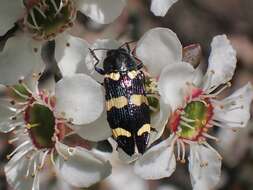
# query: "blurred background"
(194, 21)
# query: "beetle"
(127, 106)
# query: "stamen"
(216, 93)
(34, 20)
(29, 165)
(52, 157)
(54, 5)
(210, 137)
(211, 148)
(62, 155)
(34, 168)
(186, 125)
(29, 126)
(13, 140)
(183, 151)
(21, 95)
(178, 150)
(187, 119)
(40, 11)
(43, 159)
(18, 148)
(223, 121)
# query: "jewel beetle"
(127, 106)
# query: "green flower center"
(46, 18)
(191, 121)
(40, 122)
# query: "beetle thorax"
(119, 60)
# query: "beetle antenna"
(99, 70)
(97, 49)
(127, 44)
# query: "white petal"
(96, 131)
(16, 169)
(70, 53)
(19, 58)
(124, 157)
(124, 178)
(222, 62)
(204, 176)
(158, 48)
(100, 54)
(160, 7)
(234, 143)
(159, 121)
(234, 111)
(80, 98)
(172, 84)
(101, 11)
(10, 12)
(83, 168)
(158, 162)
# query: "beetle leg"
(99, 70)
(140, 65)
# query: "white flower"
(44, 20)
(41, 121)
(195, 108)
(161, 7)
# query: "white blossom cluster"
(46, 122)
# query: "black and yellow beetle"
(127, 106)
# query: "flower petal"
(160, 7)
(236, 144)
(10, 12)
(96, 131)
(83, 168)
(122, 176)
(158, 48)
(204, 167)
(19, 58)
(101, 11)
(222, 62)
(158, 162)
(70, 53)
(234, 111)
(172, 84)
(16, 168)
(159, 121)
(79, 98)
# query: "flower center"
(191, 122)
(47, 18)
(42, 125)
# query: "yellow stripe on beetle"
(120, 132)
(113, 76)
(137, 99)
(145, 128)
(118, 103)
(132, 74)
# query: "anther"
(29, 126)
